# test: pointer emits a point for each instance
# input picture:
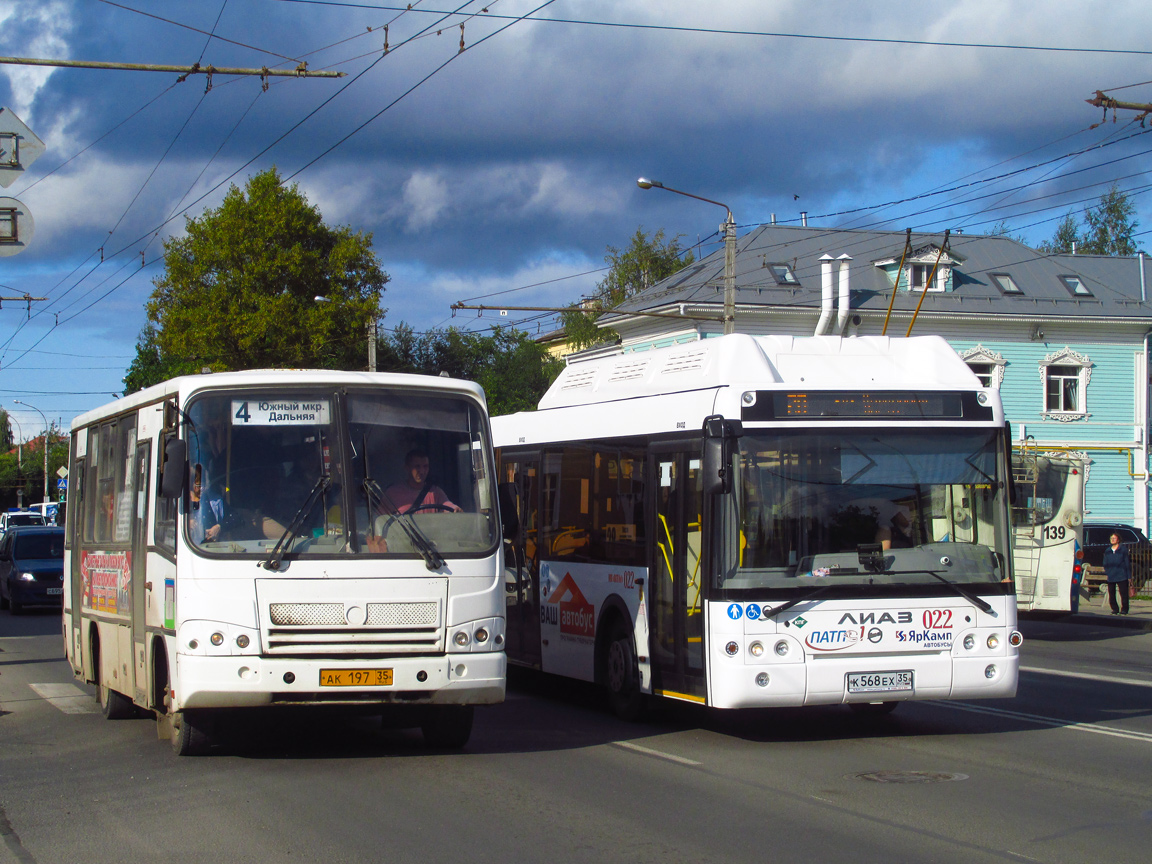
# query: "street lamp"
(45, 419)
(729, 228)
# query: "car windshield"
(24, 519)
(314, 473)
(862, 507)
(47, 545)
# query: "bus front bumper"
(252, 681)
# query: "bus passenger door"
(139, 571)
(676, 605)
(522, 561)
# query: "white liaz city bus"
(765, 521)
(257, 539)
(1048, 520)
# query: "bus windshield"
(305, 472)
(1043, 482)
(856, 506)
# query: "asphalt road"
(1062, 773)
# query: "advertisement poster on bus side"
(572, 596)
(106, 578)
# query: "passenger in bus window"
(207, 506)
(1118, 569)
(402, 497)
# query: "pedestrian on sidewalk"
(1118, 569)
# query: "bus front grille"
(408, 627)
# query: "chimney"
(804, 218)
(825, 294)
(845, 295)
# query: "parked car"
(12, 518)
(31, 567)
(1096, 539)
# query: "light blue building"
(1065, 338)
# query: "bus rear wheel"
(621, 674)
(447, 727)
(113, 705)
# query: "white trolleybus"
(270, 538)
(1048, 520)
(765, 521)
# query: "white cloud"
(32, 29)
(425, 197)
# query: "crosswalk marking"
(67, 697)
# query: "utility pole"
(300, 71)
(1106, 102)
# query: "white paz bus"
(255, 539)
(765, 521)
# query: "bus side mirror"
(174, 470)
(509, 518)
(719, 438)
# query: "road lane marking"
(1110, 679)
(67, 697)
(1053, 722)
(647, 751)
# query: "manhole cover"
(908, 776)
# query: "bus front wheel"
(621, 674)
(189, 734)
(447, 726)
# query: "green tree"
(1065, 239)
(1109, 226)
(238, 290)
(644, 262)
(1108, 229)
(6, 440)
(513, 369)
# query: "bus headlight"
(756, 649)
(481, 636)
(461, 638)
(242, 641)
(990, 670)
(993, 641)
(969, 642)
(216, 639)
(781, 648)
(27, 577)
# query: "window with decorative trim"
(986, 365)
(1065, 374)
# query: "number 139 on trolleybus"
(765, 521)
(258, 539)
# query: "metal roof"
(1114, 282)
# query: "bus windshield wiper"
(978, 602)
(426, 548)
(772, 613)
(277, 554)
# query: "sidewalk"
(1096, 612)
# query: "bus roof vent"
(580, 379)
(685, 362)
(626, 370)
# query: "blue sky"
(513, 164)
